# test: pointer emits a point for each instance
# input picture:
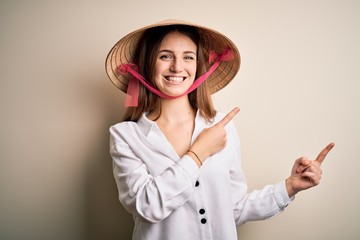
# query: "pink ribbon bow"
(226, 55)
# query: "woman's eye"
(188, 58)
(165, 57)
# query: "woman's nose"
(176, 66)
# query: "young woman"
(176, 160)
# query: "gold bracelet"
(196, 156)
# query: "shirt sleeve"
(258, 204)
(151, 197)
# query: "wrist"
(289, 188)
(199, 151)
(196, 156)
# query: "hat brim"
(122, 53)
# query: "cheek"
(193, 71)
(158, 70)
(192, 68)
(160, 67)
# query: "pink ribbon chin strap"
(132, 93)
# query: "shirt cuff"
(281, 195)
(190, 167)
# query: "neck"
(175, 110)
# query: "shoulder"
(128, 126)
(121, 131)
(129, 130)
(122, 126)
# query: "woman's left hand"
(306, 173)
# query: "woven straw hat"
(123, 51)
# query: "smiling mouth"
(175, 79)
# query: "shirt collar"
(146, 125)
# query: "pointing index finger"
(228, 117)
(320, 158)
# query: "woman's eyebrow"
(169, 51)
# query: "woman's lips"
(175, 79)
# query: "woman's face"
(175, 67)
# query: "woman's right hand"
(213, 139)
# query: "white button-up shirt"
(170, 197)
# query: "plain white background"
(297, 89)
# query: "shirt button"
(197, 183)
(202, 211)
(203, 220)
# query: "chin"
(174, 93)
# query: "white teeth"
(175, 79)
